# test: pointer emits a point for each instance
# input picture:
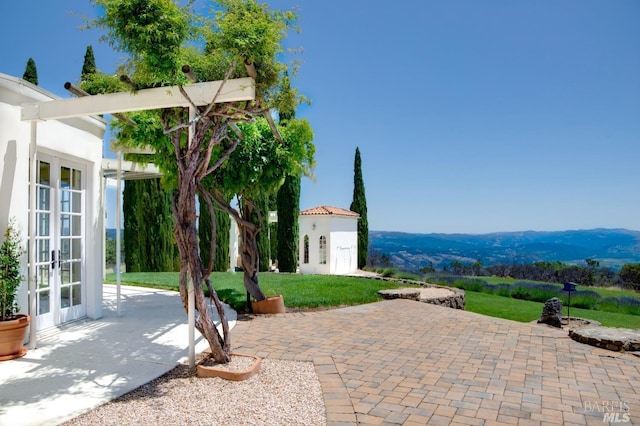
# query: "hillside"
(611, 247)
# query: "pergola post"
(191, 302)
(33, 175)
(118, 230)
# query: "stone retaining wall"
(613, 339)
(454, 299)
(457, 301)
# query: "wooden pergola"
(198, 94)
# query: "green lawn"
(298, 291)
(326, 291)
(526, 311)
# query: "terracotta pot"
(224, 373)
(271, 305)
(12, 334)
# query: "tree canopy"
(359, 205)
(31, 72)
(89, 63)
(239, 38)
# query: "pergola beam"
(129, 169)
(235, 90)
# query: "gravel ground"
(282, 393)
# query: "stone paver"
(404, 362)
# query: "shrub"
(503, 290)
(388, 272)
(10, 276)
(587, 299)
(621, 304)
(544, 292)
(629, 305)
(442, 279)
(470, 284)
(520, 292)
(407, 276)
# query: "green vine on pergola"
(192, 145)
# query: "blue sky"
(471, 116)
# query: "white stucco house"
(69, 213)
(328, 241)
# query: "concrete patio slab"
(84, 364)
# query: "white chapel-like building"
(328, 241)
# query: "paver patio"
(406, 362)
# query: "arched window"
(323, 250)
(306, 249)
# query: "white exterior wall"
(342, 244)
(322, 227)
(78, 140)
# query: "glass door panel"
(59, 242)
(71, 242)
(44, 246)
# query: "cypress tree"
(288, 202)
(359, 205)
(131, 229)
(148, 237)
(31, 72)
(162, 253)
(288, 207)
(262, 204)
(204, 232)
(223, 236)
(89, 65)
(223, 229)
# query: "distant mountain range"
(611, 247)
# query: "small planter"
(224, 372)
(271, 305)
(12, 334)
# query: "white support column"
(190, 291)
(103, 212)
(33, 148)
(118, 229)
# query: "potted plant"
(13, 326)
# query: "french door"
(60, 277)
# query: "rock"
(443, 296)
(401, 293)
(552, 313)
(613, 339)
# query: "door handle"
(53, 259)
(59, 260)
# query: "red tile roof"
(328, 210)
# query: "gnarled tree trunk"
(184, 211)
(192, 161)
(249, 252)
